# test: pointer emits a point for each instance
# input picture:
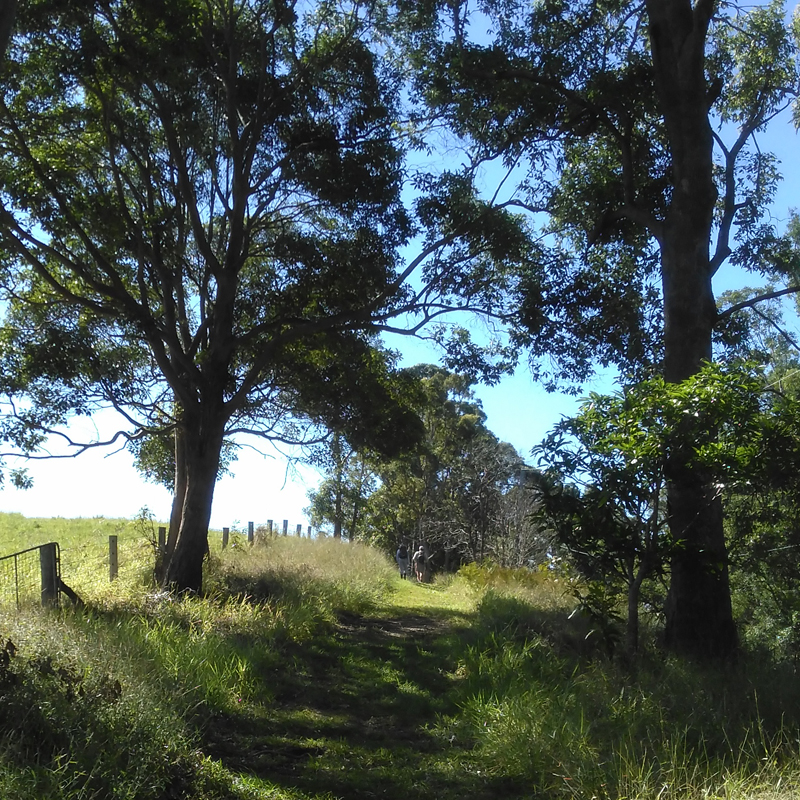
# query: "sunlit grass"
(539, 703)
(309, 670)
(446, 595)
(84, 550)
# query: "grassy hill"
(311, 671)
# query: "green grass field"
(310, 671)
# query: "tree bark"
(202, 446)
(178, 500)
(337, 508)
(632, 623)
(338, 514)
(699, 620)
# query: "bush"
(71, 729)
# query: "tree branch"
(751, 303)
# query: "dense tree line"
(461, 493)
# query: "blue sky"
(265, 487)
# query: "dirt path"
(418, 627)
(356, 713)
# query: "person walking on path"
(401, 557)
(419, 564)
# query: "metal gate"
(31, 577)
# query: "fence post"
(48, 563)
(269, 527)
(286, 527)
(250, 533)
(309, 531)
(162, 540)
(113, 561)
(300, 530)
(226, 532)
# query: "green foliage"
(488, 575)
(113, 701)
(352, 387)
(154, 457)
(72, 729)
(764, 533)
(567, 97)
(461, 492)
(338, 503)
(756, 56)
(308, 672)
(613, 125)
(603, 492)
(542, 705)
(203, 225)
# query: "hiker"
(419, 564)
(401, 557)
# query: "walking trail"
(361, 712)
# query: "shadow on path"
(355, 714)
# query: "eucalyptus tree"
(604, 486)
(201, 224)
(338, 504)
(632, 129)
(455, 490)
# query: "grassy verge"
(566, 722)
(310, 671)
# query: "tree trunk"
(699, 620)
(632, 623)
(202, 445)
(636, 578)
(337, 510)
(338, 513)
(354, 519)
(178, 500)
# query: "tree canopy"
(207, 209)
(201, 225)
(462, 493)
(631, 131)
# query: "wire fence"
(33, 577)
(30, 577)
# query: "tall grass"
(108, 701)
(116, 700)
(317, 577)
(543, 705)
(83, 545)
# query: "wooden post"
(269, 527)
(300, 531)
(48, 562)
(250, 533)
(286, 527)
(162, 540)
(113, 559)
(226, 532)
(309, 531)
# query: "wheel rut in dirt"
(406, 626)
(362, 696)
